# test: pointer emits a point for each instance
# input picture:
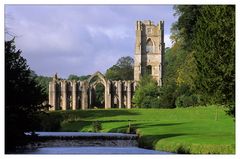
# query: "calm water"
(92, 150)
(87, 134)
(86, 145)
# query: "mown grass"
(182, 130)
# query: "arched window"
(149, 46)
(149, 70)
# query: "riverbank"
(182, 130)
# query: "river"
(86, 143)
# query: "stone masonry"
(149, 50)
(65, 94)
(148, 59)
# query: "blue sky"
(79, 39)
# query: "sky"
(79, 39)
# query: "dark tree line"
(204, 39)
(23, 98)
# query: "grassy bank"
(181, 130)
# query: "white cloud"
(167, 40)
(112, 33)
(79, 39)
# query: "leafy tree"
(183, 31)
(215, 53)
(43, 82)
(207, 33)
(167, 95)
(78, 78)
(187, 72)
(23, 98)
(176, 79)
(122, 70)
(73, 77)
(147, 93)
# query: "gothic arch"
(150, 45)
(100, 76)
(100, 80)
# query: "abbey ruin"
(148, 59)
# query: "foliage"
(99, 96)
(194, 128)
(183, 31)
(50, 122)
(122, 70)
(167, 95)
(73, 77)
(215, 53)
(78, 78)
(206, 33)
(179, 75)
(96, 126)
(147, 93)
(24, 97)
(187, 72)
(186, 101)
(231, 110)
(43, 81)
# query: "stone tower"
(149, 50)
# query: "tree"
(78, 78)
(122, 70)
(43, 82)
(183, 31)
(23, 98)
(215, 52)
(73, 77)
(147, 93)
(208, 33)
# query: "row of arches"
(95, 92)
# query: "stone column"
(90, 96)
(74, 95)
(107, 95)
(119, 86)
(64, 95)
(129, 96)
(84, 98)
(134, 86)
(52, 95)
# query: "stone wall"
(66, 94)
(148, 59)
(149, 50)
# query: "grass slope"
(181, 130)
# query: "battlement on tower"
(149, 50)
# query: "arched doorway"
(98, 91)
(149, 70)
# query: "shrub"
(50, 122)
(96, 126)
(167, 96)
(186, 101)
(147, 91)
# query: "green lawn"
(181, 130)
